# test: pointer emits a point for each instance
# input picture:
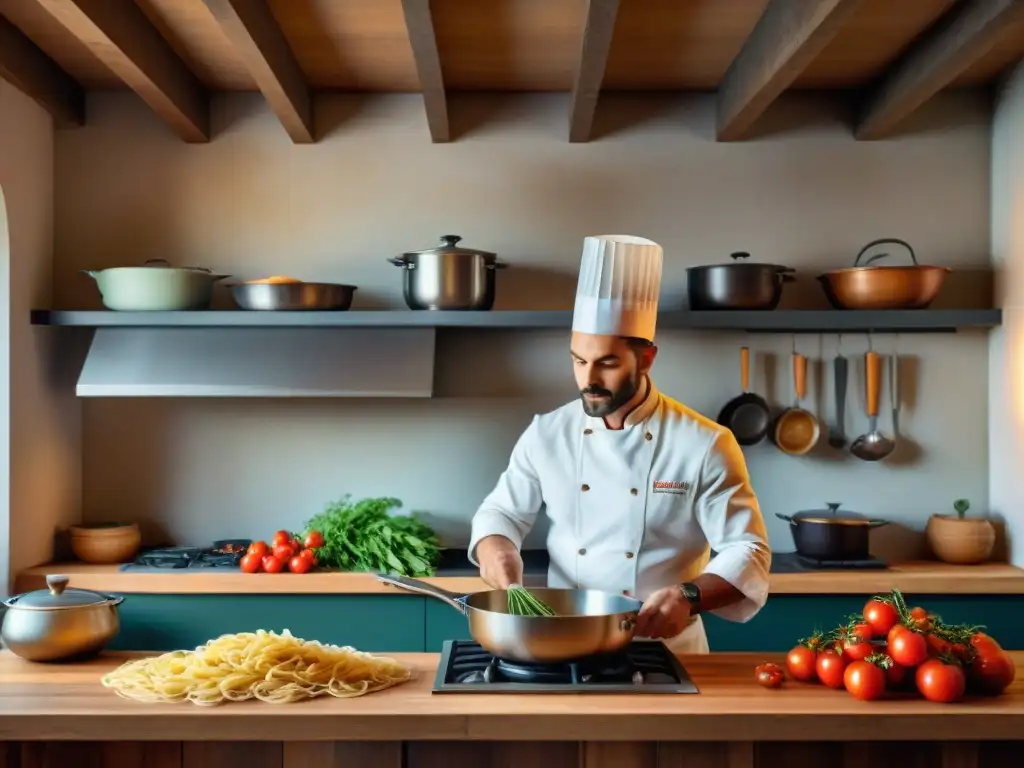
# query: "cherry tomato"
(310, 555)
(907, 648)
(991, 670)
(281, 537)
(857, 649)
(272, 564)
(251, 563)
(258, 548)
(896, 674)
(941, 682)
(296, 546)
(830, 667)
(864, 680)
(937, 646)
(282, 552)
(921, 618)
(299, 564)
(769, 675)
(314, 540)
(880, 615)
(800, 662)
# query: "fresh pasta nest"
(271, 667)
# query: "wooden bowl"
(105, 543)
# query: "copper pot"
(872, 287)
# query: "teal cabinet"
(375, 623)
(444, 623)
(409, 624)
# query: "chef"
(638, 488)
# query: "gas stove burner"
(610, 669)
(646, 666)
(187, 557)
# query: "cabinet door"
(443, 623)
(374, 623)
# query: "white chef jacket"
(634, 510)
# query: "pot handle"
(878, 256)
(877, 523)
(398, 261)
(93, 273)
(498, 265)
(787, 518)
(425, 588)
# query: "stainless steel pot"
(588, 622)
(831, 534)
(282, 297)
(739, 285)
(60, 624)
(449, 277)
(154, 287)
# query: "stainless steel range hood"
(259, 362)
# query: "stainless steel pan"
(588, 622)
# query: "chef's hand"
(500, 562)
(664, 614)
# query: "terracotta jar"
(959, 539)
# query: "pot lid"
(831, 515)
(449, 245)
(57, 596)
(739, 261)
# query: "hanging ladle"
(872, 446)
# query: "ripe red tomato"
(282, 551)
(907, 648)
(299, 564)
(880, 615)
(941, 682)
(769, 675)
(281, 537)
(864, 680)
(895, 674)
(272, 564)
(250, 563)
(921, 618)
(991, 670)
(314, 540)
(830, 667)
(800, 663)
(258, 548)
(310, 555)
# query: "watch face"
(691, 592)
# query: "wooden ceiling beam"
(786, 39)
(419, 23)
(954, 44)
(255, 33)
(597, 41)
(35, 74)
(119, 34)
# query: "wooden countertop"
(912, 578)
(67, 702)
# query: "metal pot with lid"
(831, 534)
(59, 623)
(738, 285)
(449, 276)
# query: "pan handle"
(425, 588)
(787, 518)
(877, 523)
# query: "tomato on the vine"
(272, 564)
(830, 666)
(282, 537)
(854, 641)
(314, 540)
(258, 548)
(800, 663)
(920, 618)
(906, 647)
(880, 614)
(896, 674)
(865, 680)
(941, 681)
(991, 670)
(769, 675)
(251, 563)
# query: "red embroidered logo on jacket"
(670, 486)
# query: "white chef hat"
(618, 288)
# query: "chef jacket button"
(633, 491)
(582, 550)
(629, 555)
(585, 487)
(588, 431)
(649, 436)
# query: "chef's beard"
(611, 401)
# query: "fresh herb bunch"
(363, 536)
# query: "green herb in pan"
(522, 603)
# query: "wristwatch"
(690, 593)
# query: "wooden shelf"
(778, 321)
(913, 578)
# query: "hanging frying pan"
(747, 415)
(797, 431)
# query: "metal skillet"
(587, 622)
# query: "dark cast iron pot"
(739, 285)
(831, 534)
